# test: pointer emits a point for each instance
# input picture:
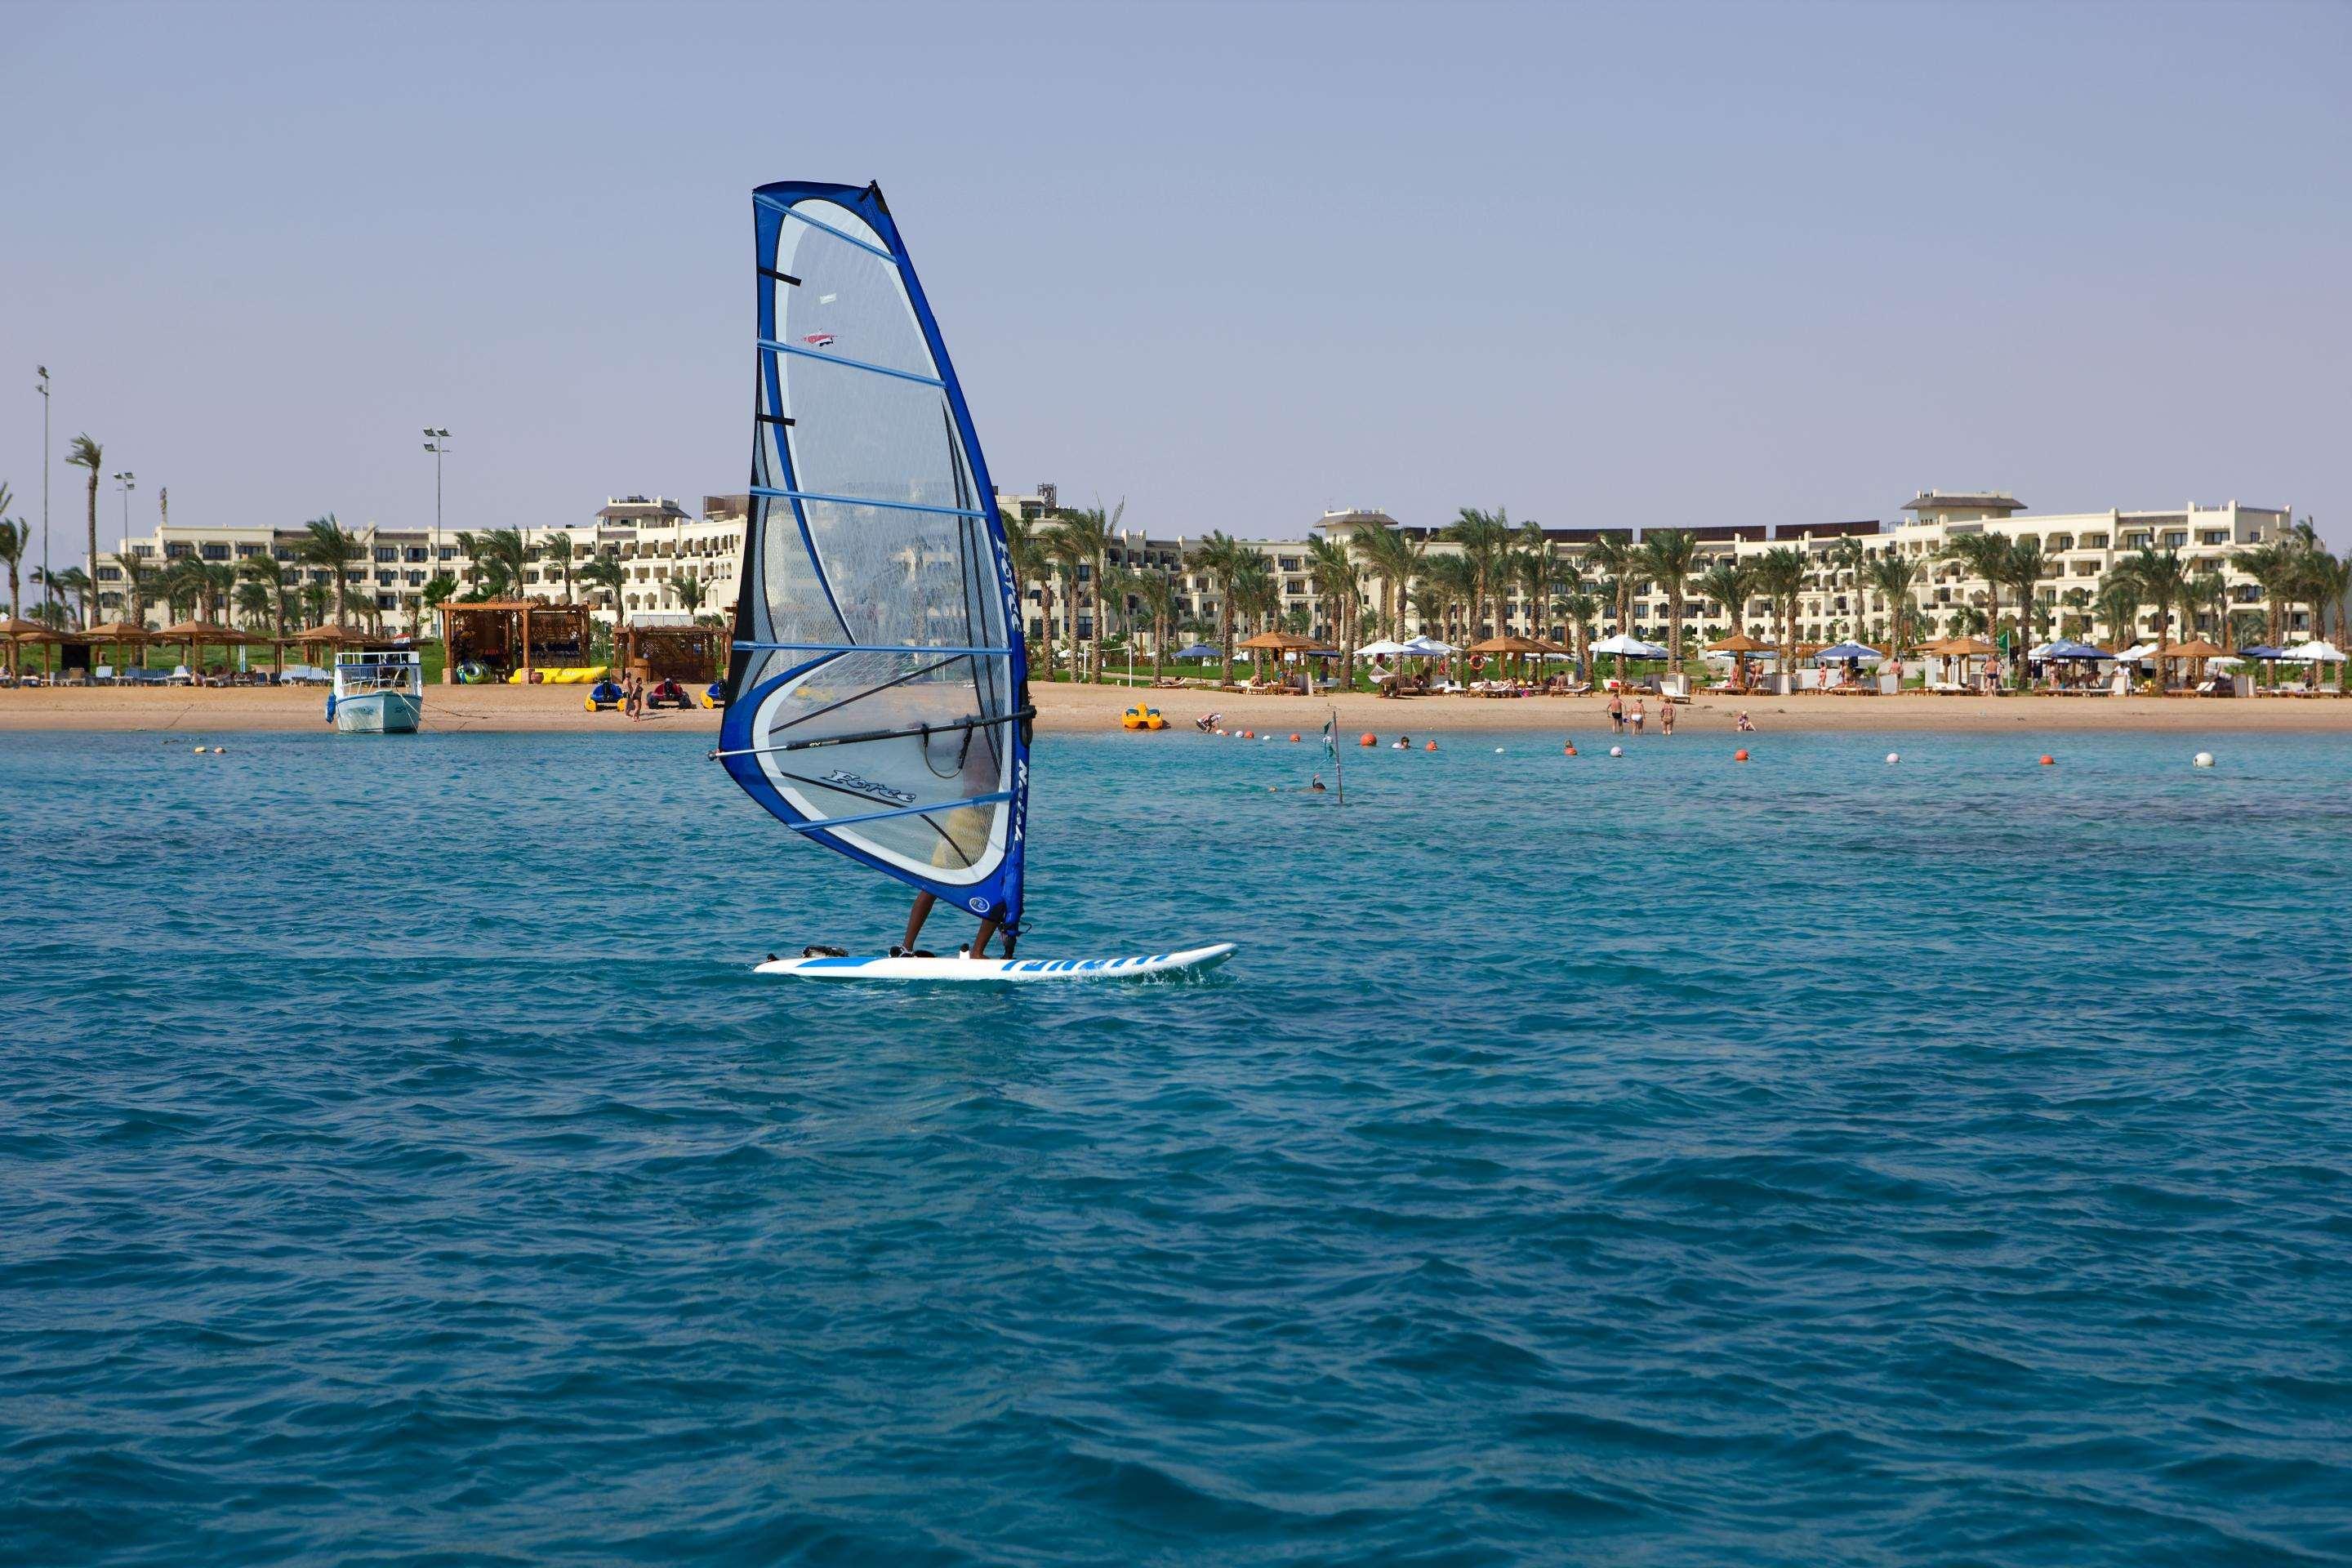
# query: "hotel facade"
(675, 560)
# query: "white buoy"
(2204, 759)
(1616, 750)
(200, 751)
(1499, 751)
(1893, 758)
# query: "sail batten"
(876, 692)
(815, 353)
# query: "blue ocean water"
(1654, 1161)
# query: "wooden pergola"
(695, 654)
(506, 634)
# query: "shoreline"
(1079, 709)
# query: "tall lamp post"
(126, 481)
(437, 441)
(43, 371)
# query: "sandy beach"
(1078, 709)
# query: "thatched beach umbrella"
(1739, 644)
(195, 635)
(1277, 642)
(1507, 645)
(22, 634)
(119, 635)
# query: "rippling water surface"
(1650, 1160)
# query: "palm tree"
(315, 597)
(1847, 559)
(1893, 576)
(1580, 607)
(469, 547)
(14, 538)
(2074, 623)
(2119, 599)
(1339, 584)
(1068, 547)
(1220, 558)
(604, 570)
(1781, 576)
(506, 553)
(1986, 556)
(1667, 556)
(1024, 552)
(1256, 596)
(556, 547)
(2164, 578)
(2271, 566)
(1483, 536)
(216, 583)
(86, 453)
(1615, 556)
(1728, 582)
(1091, 533)
(2210, 593)
(687, 590)
(1455, 580)
(265, 572)
(253, 603)
(73, 583)
(138, 580)
(1394, 557)
(1158, 592)
(326, 543)
(2022, 568)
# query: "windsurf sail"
(878, 692)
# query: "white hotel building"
(658, 542)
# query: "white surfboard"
(1017, 970)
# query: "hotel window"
(216, 551)
(246, 551)
(2094, 542)
(387, 552)
(2214, 536)
(109, 574)
(2175, 538)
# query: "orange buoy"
(1430, 747)
(1568, 750)
(1248, 735)
(2048, 761)
(1368, 739)
(1293, 737)
(1740, 756)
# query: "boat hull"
(1002, 971)
(379, 714)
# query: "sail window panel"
(797, 605)
(882, 696)
(874, 437)
(848, 302)
(902, 578)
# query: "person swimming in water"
(1315, 786)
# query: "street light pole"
(437, 442)
(126, 481)
(44, 390)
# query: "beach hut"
(510, 635)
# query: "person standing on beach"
(1666, 717)
(1617, 712)
(1636, 716)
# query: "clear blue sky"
(1647, 266)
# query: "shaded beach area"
(1065, 709)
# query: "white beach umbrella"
(1384, 647)
(1630, 647)
(2316, 651)
(1428, 648)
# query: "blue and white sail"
(877, 696)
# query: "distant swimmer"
(1315, 786)
(1401, 743)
